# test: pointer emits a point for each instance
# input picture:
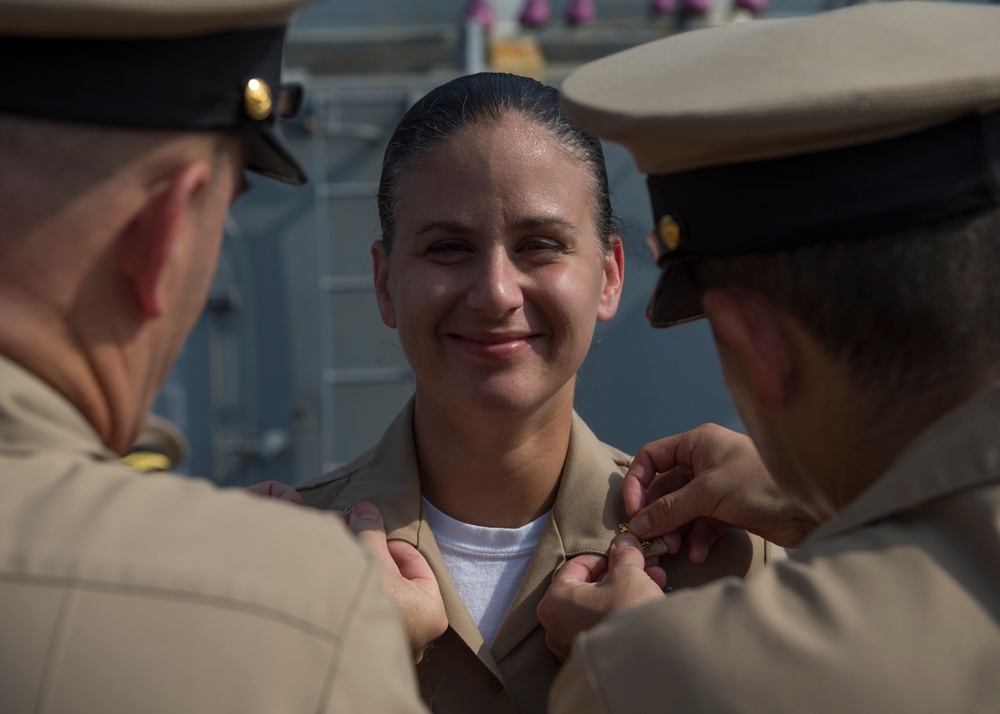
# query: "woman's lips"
(495, 346)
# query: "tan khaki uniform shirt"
(128, 593)
(458, 672)
(892, 606)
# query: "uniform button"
(495, 685)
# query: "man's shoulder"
(162, 593)
(874, 607)
(168, 536)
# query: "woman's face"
(496, 277)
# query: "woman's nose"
(496, 289)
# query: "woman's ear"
(152, 234)
(380, 263)
(614, 280)
(752, 332)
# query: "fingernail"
(625, 540)
(365, 510)
(640, 525)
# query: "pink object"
(662, 7)
(536, 13)
(696, 7)
(581, 12)
(481, 12)
(754, 6)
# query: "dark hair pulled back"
(476, 99)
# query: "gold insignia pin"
(670, 232)
(257, 100)
(623, 528)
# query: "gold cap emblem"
(670, 232)
(257, 99)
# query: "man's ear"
(380, 263)
(750, 328)
(153, 232)
(614, 280)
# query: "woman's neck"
(495, 471)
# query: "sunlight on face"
(496, 277)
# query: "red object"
(581, 12)
(481, 11)
(536, 13)
(696, 7)
(662, 7)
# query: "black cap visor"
(269, 155)
(675, 299)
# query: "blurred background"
(290, 371)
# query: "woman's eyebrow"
(527, 223)
(442, 226)
(550, 222)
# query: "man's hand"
(713, 478)
(276, 490)
(588, 587)
(406, 578)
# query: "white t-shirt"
(485, 564)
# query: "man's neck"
(46, 347)
(856, 441)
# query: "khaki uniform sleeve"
(374, 671)
(573, 692)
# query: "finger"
(668, 482)
(625, 554)
(702, 536)
(410, 562)
(670, 512)
(653, 458)
(633, 493)
(365, 521)
(639, 490)
(291, 495)
(556, 647)
(658, 575)
(270, 489)
(587, 568)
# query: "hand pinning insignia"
(623, 528)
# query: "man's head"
(124, 134)
(826, 190)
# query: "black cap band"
(176, 83)
(854, 192)
(162, 83)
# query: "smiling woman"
(497, 259)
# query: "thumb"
(587, 568)
(410, 562)
(365, 522)
(625, 554)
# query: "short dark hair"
(915, 312)
(477, 99)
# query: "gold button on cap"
(257, 100)
(670, 232)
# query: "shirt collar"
(391, 480)
(35, 417)
(960, 450)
